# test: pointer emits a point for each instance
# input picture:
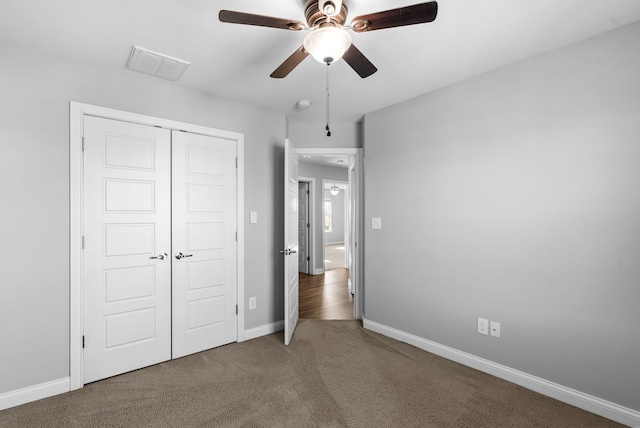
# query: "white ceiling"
(468, 38)
(335, 161)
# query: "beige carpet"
(334, 374)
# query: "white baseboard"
(318, 271)
(570, 396)
(34, 393)
(263, 330)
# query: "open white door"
(290, 241)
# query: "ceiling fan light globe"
(327, 44)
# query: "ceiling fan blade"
(359, 62)
(290, 63)
(234, 17)
(409, 15)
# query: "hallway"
(326, 297)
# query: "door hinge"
(308, 258)
(83, 143)
(236, 163)
(83, 341)
(308, 193)
(236, 309)
(83, 242)
(236, 236)
(308, 225)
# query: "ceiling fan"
(328, 39)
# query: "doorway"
(197, 229)
(333, 291)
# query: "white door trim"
(77, 111)
(357, 190)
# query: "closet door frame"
(77, 112)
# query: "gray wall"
(311, 135)
(34, 192)
(515, 196)
(320, 172)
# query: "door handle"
(288, 252)
(160, 256)
(182, 256)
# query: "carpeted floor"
(334, 374)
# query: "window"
(327, 216)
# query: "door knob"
(182, 256)
(160, 256)
(288, 252)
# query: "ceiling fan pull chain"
(327, 127)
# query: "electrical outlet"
(495, 329)
(252, 302)
(483, 326)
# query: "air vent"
(159, 65)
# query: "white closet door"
(127, 218)
(204, 242)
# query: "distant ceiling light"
(303, 104)
(334, 190)
(155, 64)
(327, 44)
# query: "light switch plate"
(376, 223)
(253, 217)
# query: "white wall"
(338, 217)
(34, 194)
(319, 172)
(515, 196)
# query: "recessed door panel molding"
(128, 328)
(205, 236)
(129, 283)
(205, 199)
(205, 274)
(205, 161)
(128, 152)
(129, 239)
(205, 312)
(129, 196)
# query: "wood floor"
(326, 296)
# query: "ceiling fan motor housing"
(315, 15)
(330, 7)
